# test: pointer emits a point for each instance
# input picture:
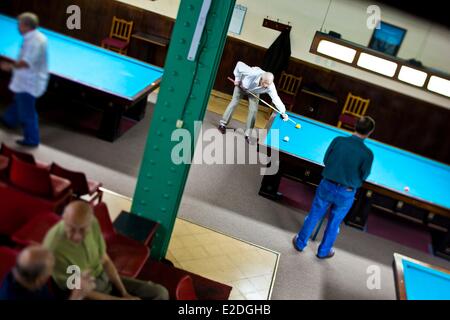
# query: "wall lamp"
(379, 63)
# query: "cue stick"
(256, 97)
(318, 228)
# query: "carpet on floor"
(385, 225)
(381, 224)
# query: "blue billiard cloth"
(348, 162)
(22, 112)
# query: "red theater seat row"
(30, 194)
(26, 157)
(81, 186)
(32, 176)
(38, 181)
(128, 255)
(18, 207)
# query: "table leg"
(270, 185)
(359, 213)
(110, 125)
(137, 111)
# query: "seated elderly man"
(29, 278)
(77, 241)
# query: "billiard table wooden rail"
(64, 92)
(399, 275)
(368, 196)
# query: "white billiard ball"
(286, 139)
(406, 189)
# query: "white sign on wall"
(237, 20)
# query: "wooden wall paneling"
(402, 121)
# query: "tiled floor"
(248, 268)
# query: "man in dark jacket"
(348, 162)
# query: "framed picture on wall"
(387, 38)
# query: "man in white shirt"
(29, 80)
(257, 81)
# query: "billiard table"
(417, 280)
(301, 158)
(114, 84)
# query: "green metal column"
(184, 95)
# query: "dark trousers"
(22, 112)
(146, 290)
(328, 194)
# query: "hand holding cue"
(267, 104)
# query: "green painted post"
(184, 95)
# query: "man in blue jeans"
(29, 80)
(348, 162)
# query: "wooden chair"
(287, 88)
(119, 36)
(354, 108)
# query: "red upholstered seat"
(93, 187)
(4, 164)
(348, 120)
(9, 152)
(178, 282)
(81, 186)
(59, 185)
(37, 181)
(354, 108)
(184, 289)
(35, 229)
(18, 207)
(128, 255)
(116, 43)
(102, 214)
(8, 258)
(26, 157)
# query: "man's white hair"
(268, 76)
(29, 19)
